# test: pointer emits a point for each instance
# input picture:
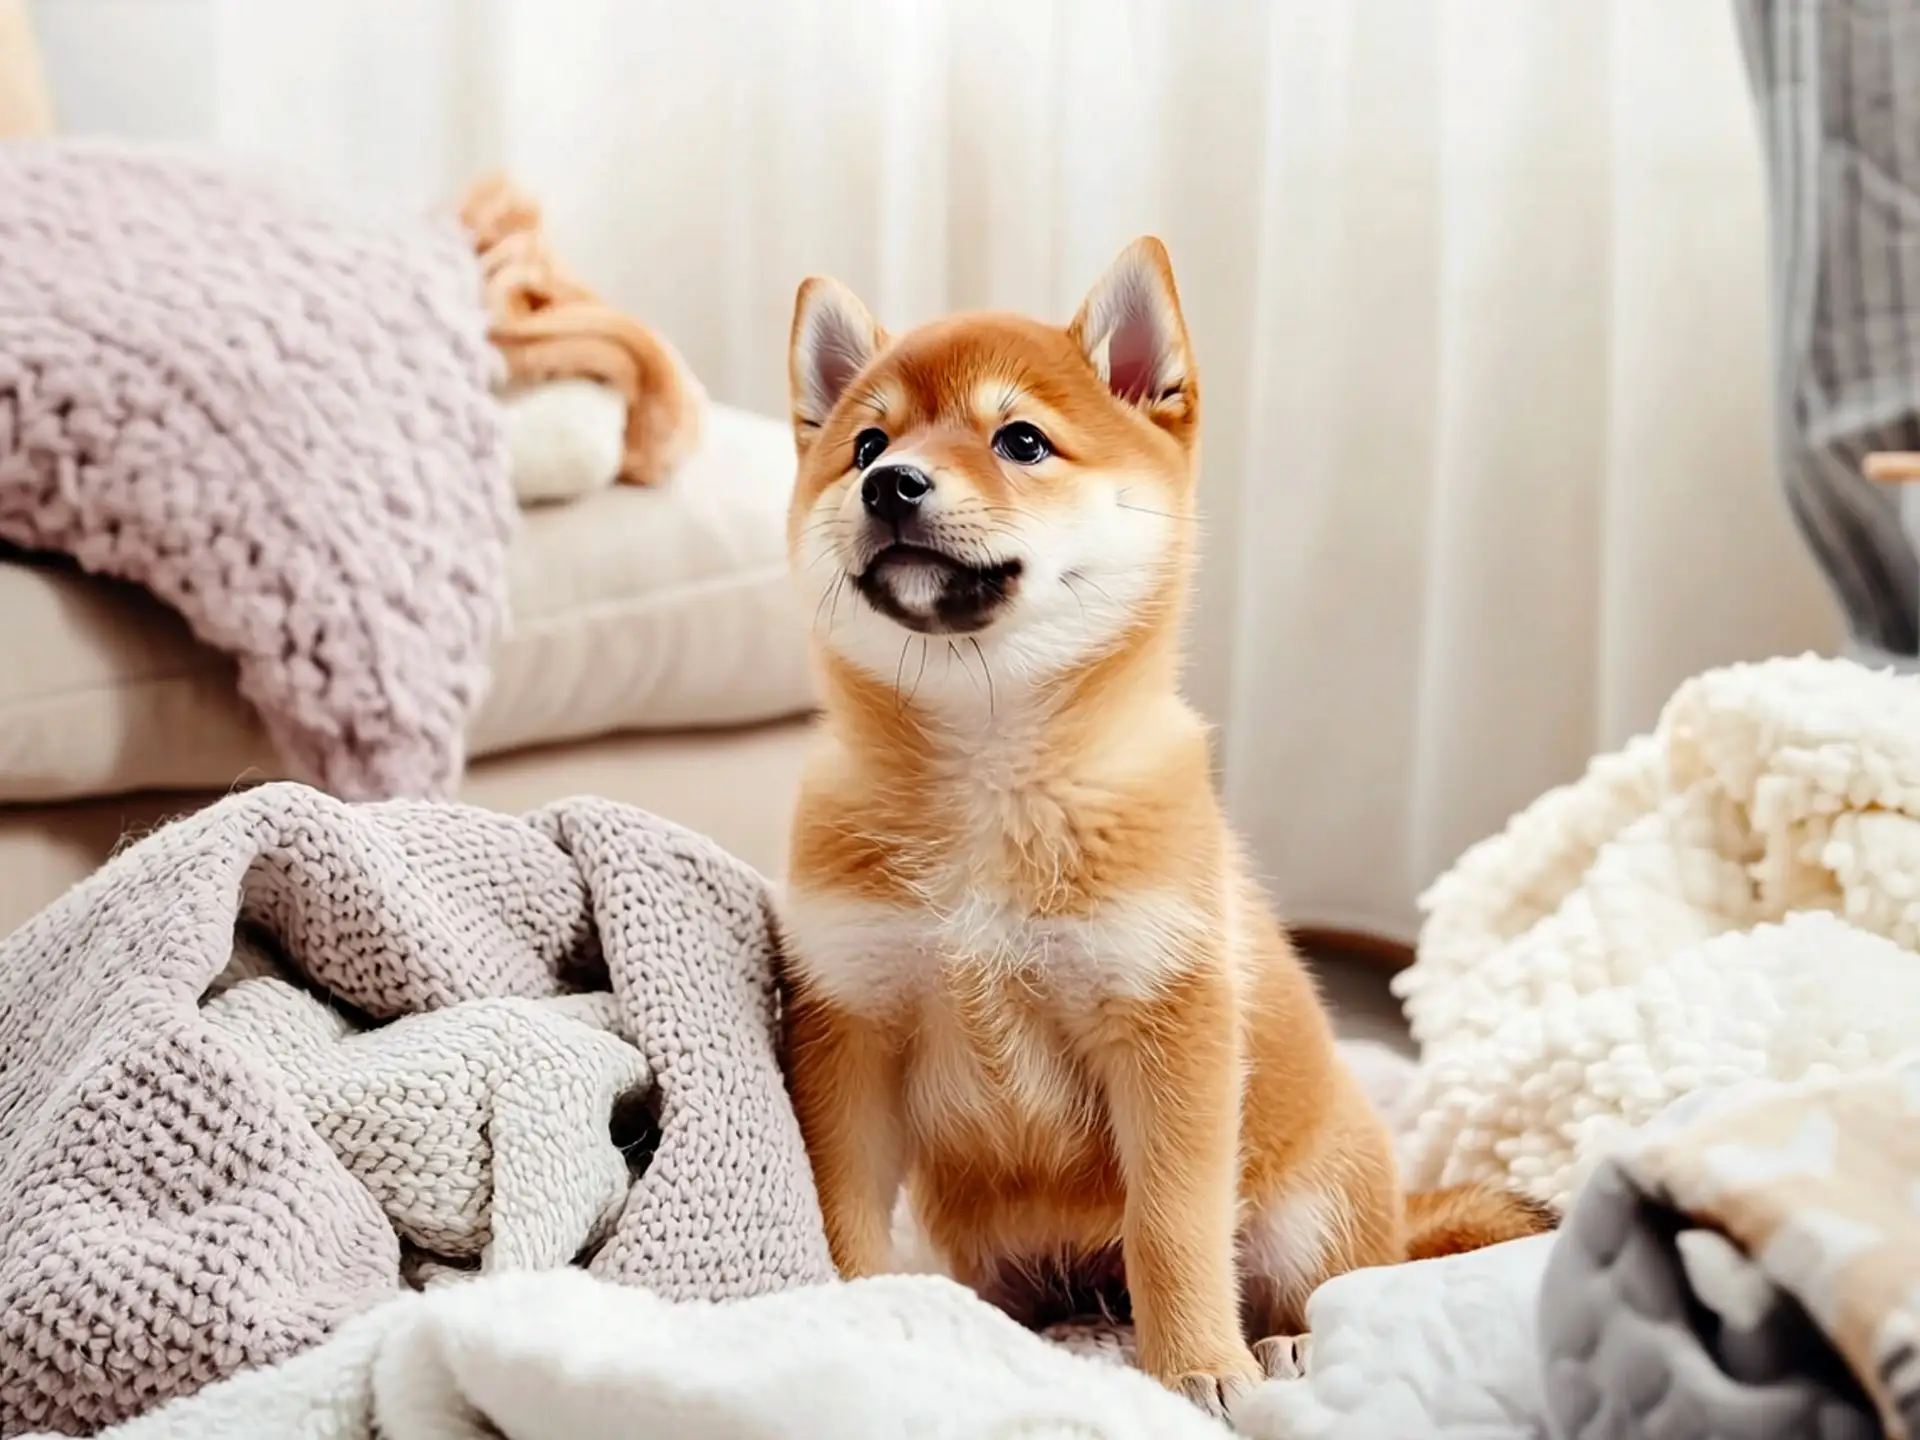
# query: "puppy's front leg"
(845, 1078)
(1172, 1075)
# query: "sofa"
(655, 655)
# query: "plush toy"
(592, 395)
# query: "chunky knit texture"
(272, 410)
(191, 1185)
(481, 1130)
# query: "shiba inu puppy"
(1028, 972)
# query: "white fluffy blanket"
(1735, 896)
(1436, 1350)
(561, 1355)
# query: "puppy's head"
(994, 483)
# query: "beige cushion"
(632, 610)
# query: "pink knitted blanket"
(272, 411)
(287, 1055)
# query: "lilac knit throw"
(197, 1183)
(272, 411)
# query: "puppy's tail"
(1469, 1217)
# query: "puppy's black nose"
(893, 492)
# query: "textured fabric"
(558, 1356)
(1728, 898)
(1435, 1350)
(1838, 86)
(272, 411)
(1651, 1328)
(188, 1192)
(481, 1131)
(656, 609)
(1817, 1186)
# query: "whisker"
(833, 610)
(825, 595)
(953, 654)
(1121, 500)
(1085, 579)
(985, 670)
(900, 672)
(1066, 579)
(1018, 511)
(919, 674)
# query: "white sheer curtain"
(1477, 287)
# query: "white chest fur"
(995, 1001)
(874, 958)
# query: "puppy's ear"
(833, 339)
(1132, 332)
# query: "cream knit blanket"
(1733, 897)
(460, 1036)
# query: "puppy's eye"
(867, 446)
(1021, 443)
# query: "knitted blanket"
(444, 1043)
(271, 410)
(1730, 898)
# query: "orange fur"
(1028, 972)
(1470, 1217)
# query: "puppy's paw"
(1215, 1394)
(1284, 1357)
(1219, 1389)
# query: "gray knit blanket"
(283, 1058)
(271, 409)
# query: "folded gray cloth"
(192, 1184)
(1631, 1352)
(1748, 1265)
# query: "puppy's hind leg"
(1293, 1243)
(1284, 1252)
